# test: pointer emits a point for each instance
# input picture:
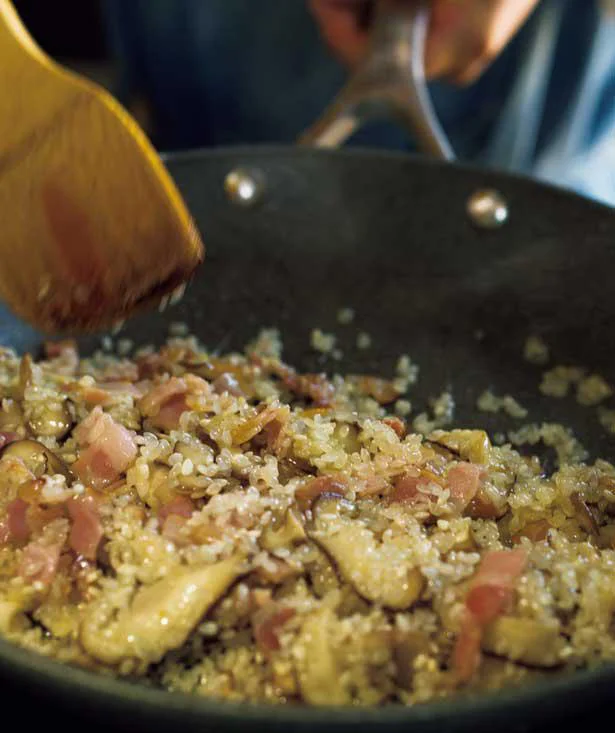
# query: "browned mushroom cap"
(361, 560)
(37, 458)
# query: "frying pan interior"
(389, 236)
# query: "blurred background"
(220, 72)
(86, 50)
(48, 22)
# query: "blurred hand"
(465, 36)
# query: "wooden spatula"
(91, 224)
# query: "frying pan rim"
(66, 679)
(274, 151)
(546, 695)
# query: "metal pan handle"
(390, 82)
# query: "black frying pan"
(390, 236)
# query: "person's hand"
(465, 36)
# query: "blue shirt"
(247, 71)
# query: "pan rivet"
(243, 187)
(487, 209)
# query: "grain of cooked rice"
(124, 346)
(403, 407)
(178, 328)
(407, 369)
(322, 342)
(558, 381)
(607, 419)
(488, 402)
(592, 390)
(536, 350)
(345, 316)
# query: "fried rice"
(230, 527)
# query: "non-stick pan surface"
(390, 237)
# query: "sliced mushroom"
(320, 486)
(49, 418)
(161, 616)
(290, 532)
(362, 561)
(407, 646)
(586, 516)
(528, 641)
(26, 375)
(12, 617)
(37, 458)
(318, 672)
(11, 418)
(471, 445)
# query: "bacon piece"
(86, 530)
(492, 587)
(466, 652)
(407, 489)
(95, 396)
(266, 625)
(39, 562)
(109, 449)
(463, 481)
(490, 594)
(180, 506)
(170, 413)
(17, 521)
(165, 403)
(160, 394)
(172, 530)
(381, 390)
(320, 486)
(397, 425)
